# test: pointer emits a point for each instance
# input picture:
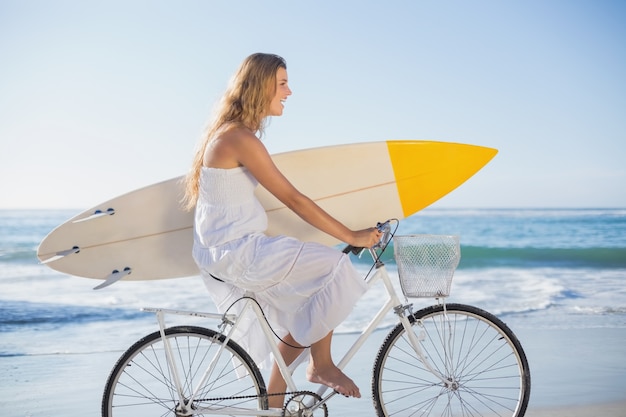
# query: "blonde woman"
(305, 289)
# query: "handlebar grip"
(382, 227)
(354, 249)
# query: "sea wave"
(17, 254)
(529, 257)
(19, 314)
(471, 257)
(479, 257)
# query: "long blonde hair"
(244, 104)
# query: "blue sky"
(100, 98)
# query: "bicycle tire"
(141, 384)
(480, 356)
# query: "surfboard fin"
(114, 277)
(97, 214)
(61, 254)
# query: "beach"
(555, 277)
(574, 374)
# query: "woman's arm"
(251, 153)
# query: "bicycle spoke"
(484, 370)
(142, 382)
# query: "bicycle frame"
(393, 303)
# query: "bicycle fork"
(415, 342)
(400, 310)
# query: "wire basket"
(426, 264)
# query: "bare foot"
(333, 378)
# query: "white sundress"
(306, 289)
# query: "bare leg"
(322, 370)
(276, 382)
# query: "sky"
(100, 98)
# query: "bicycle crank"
(301, 406)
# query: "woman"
(305, 289)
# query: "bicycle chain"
(247, 397)
(293, 394)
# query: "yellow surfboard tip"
(425, 171)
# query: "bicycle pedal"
(337, 392)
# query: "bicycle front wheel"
(142, 383)
(483, 365)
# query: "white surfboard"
(146, 234)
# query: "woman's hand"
(365, 238)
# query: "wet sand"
(575, 373)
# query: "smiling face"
(282, 92)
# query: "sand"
(575, 373)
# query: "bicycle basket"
(426, 264)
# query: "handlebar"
(384, 228)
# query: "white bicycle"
(443, 360)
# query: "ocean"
(534, 268)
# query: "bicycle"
(445, 359)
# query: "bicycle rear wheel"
(485, 366)
(141, 383)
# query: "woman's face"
(282, 92)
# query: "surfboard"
(146, 234)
